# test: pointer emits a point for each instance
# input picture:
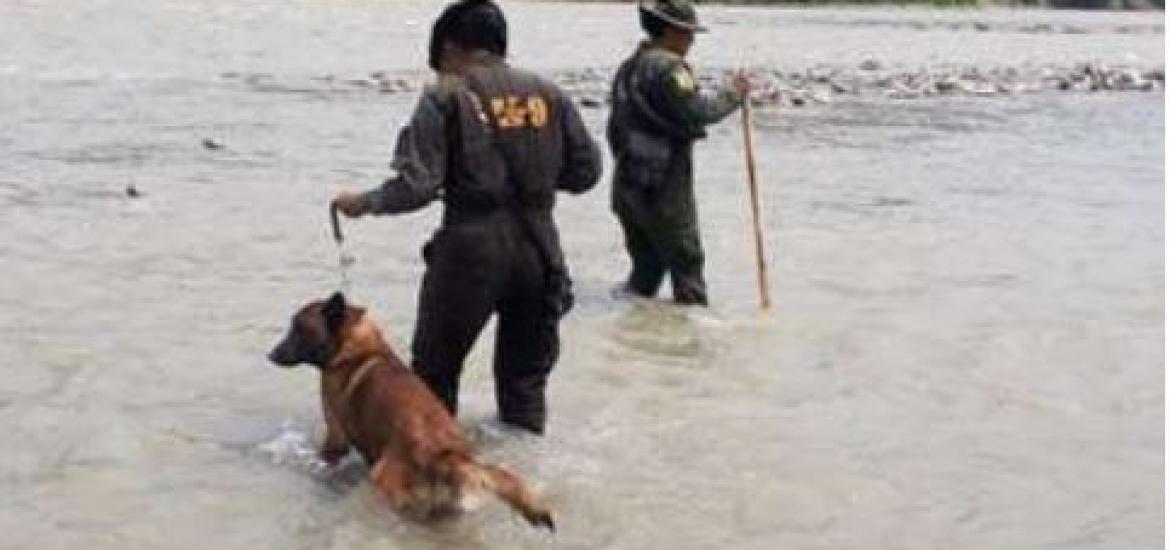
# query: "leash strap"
(344, 258)
(356, 379)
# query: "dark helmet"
(676, 13)
(472, 25)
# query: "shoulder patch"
(683, 79)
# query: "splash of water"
(291, 446)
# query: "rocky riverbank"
(820, 85)
(787, 88)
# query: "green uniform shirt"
(656, 90)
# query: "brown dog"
(419, 458)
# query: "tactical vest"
(508, 142)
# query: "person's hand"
(350, 204)
(741, 84)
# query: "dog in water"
(418, 455)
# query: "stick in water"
(337, 238)
(749, 150)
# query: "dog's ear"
(334, 312)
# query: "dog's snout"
(281, 355)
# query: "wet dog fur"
(419, 459)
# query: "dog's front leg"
(336, 444)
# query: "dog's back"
(419, 451)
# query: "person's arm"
(582, 165)
(692, 108)
(420, 159)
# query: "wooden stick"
(337, 238)
(761, 265)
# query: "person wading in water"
(658, 114)
(494, 144)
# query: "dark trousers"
(661, 231)
(473, 271)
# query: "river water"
(966, 349)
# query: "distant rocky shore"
(817, 85)
(820, 85)
(1050, 4)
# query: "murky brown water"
(966, 350)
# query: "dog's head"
(315, 335)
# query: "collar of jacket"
(486, 58)
(648, 46)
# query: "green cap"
(677, 13)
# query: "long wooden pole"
(757, 230)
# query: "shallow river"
(966, 350)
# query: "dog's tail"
(468, 475)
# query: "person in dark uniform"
(494, 144)
(658, 114)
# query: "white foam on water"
(707, 318)
(291, 447)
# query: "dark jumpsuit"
(494, 145)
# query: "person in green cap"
(658, 114)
